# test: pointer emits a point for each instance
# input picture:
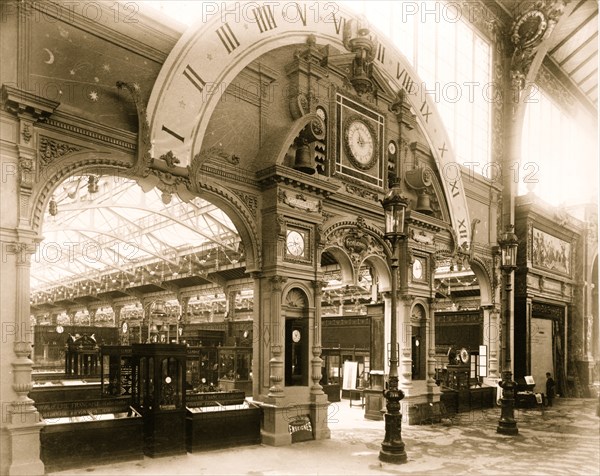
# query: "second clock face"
(361, 143)
(295, 243)
(417, 269)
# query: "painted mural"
(551, 253)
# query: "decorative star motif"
(209, 56)
(72, 72)
(136, 86)
(106, 67)
(93, 96)
(182, 104)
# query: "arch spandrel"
(216, 49)
(120, 165)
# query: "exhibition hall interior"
(218, 219)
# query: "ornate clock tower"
(294, 128)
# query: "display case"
(235, 368)
(331, 373)
(159, 396)
(202, 370)
(115, 370)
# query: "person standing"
(549, 389)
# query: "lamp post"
(392, 448)
(508, 263)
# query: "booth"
(159, 396)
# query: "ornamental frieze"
(51, 149)
(300, 202)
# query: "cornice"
(19, 101)
(68, 124)
(286, 175)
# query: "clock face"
(417, 269)
(321, 113)
(295, 243)
(392, 148)
(296, 335)
(124, 328)
(361, 143)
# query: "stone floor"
(564, 439)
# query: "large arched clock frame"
(214, 50)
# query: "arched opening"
(296, 338)
(121, 266)
(460, 327)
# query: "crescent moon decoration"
(51, 56)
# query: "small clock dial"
(361, 143)
(124, 328)
(296, 335)
(295, 243)
(417, 269)
(392, 148)
(321, 113)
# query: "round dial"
(321, 113)
(124, 328)
(417, 269)
(295, 243)
(392, 148)
(296, 335)
(361, 143)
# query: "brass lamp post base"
(507, 424)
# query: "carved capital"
(277, 283)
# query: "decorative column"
(319, 402)
(24, 422)
(494, 340)
(123, 336)
(184, 302)
(404, 323)
(276, 361)
(317, 362)
(92, 311)
(430, 333)
(71, 315)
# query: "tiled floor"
(564, 439)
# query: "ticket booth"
(159, 396)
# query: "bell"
(424, 203)
(304, 160)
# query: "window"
(452, 59)
(558, 154)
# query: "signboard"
(350, 375)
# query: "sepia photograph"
(301, 237)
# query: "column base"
(24, 450)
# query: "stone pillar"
(319, 403)
(71, 315)
(22, 420)
(184, 302)
(276, 361)
(430, 333)
(92, 315)
(491, 338)
(405, 343)
(123, 337)
(317, 362)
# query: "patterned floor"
(562, 440)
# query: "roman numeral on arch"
(196, 80)
(230, 42)
(264, 18)
(174, 134)
(380, 53)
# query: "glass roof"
(98, 225)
